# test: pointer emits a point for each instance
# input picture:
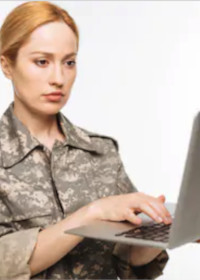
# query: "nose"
(57, 76)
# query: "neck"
(41, 126)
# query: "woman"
(54, 175)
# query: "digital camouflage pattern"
(39, 187)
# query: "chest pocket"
(27, 205)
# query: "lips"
(55, 93)
(54, 96)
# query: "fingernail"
(159, 219)
(168, 220)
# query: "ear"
(6, 67)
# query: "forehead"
(53, 37)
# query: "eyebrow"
(51, 54)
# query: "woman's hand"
(126, 206)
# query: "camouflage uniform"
(39, 187)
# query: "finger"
(132, 218)
(168, 214)
(161, 211)
(151, 212)
(161, 198)
(154, 207)
(159, 206)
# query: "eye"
(71, 63)
(41, 60)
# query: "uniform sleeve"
(16, 247)
(124, 184)
(151, 270)
(121, 251)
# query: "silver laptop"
(186, 213)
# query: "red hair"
(24, 19)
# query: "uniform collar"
(16, 141)
(77, 137)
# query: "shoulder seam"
(107, 137)
(93, 134)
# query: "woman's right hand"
(126, 206)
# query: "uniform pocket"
(27, 204)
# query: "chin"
(50, 108)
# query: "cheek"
(71, 77)
(27, 78)
(37, 74)
(26, 86)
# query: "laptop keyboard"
(155, 232)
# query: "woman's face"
(37, 74)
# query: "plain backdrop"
(138, 81)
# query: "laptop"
(185, 213)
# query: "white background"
(138, 81)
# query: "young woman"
(54, 175)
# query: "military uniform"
(39, 187)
